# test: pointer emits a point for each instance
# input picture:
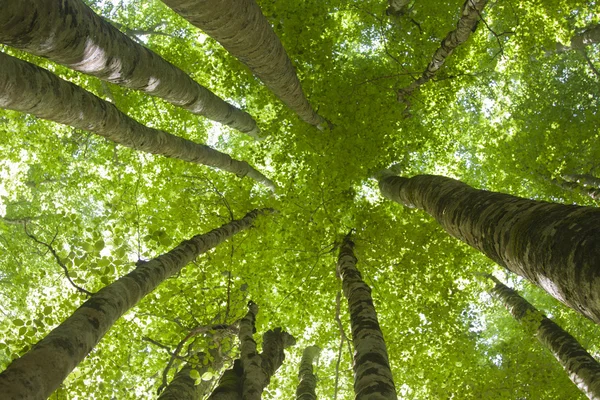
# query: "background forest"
(512, 110)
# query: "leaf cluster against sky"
(505, 113)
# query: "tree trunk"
(183, 387)
(230, 385)
(584, 179)
(372, 375)
(397, 7)
(28, 88)
(555, 246)
(470, 15)
(308, 380)
(589, 36)
(581, 367)
(258, 368)
(70, 33)
(43, 368)
(243, 31)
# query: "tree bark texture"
(372, 375)
(581, 367)
(70, 33)
(397, 7)
(470, 15)
(42, 369)
(579, 41)
(243, 31)
(183, 387)
(258, 368)
(308, 380)
(230, 385)
(578, 186)
(28, 88)
(555, 246)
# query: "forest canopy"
(512, 109)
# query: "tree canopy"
(512, 109)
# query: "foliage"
(505, 113)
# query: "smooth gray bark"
(30, 89)
(581, 367)
(70, 33)
(470, 15)
(373, 378)
(554, 246)
(308, 380)
(241, 28)
(38, 373)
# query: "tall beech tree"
(242, 29)
(494, 115)
(470, 14)
(34, 90)
(581, 367)
(70, 33)
(308, 380)
(552, 245)
(372, 375)
(41, 370)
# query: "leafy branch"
(57, 258)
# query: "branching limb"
(58, 260)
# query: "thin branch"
(57, 258)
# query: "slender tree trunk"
(230, 385)
(258, 368)
(28, 88)
(581, 367)
(470, 15)
(372, 375)
(555, 246)
(43, 368)
(308, 380)
(397, 7)
(243, 31)
(574, 186)
(183, 387)
(70, 33)
(584, 179)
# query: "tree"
(245, 33)
(582, 368)
(372, 374)
(306, 376)
(498, 112)
(586, 37)
(28, 88)
(93, 46)
(470, 15)
(551, 245)
(39, 372)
